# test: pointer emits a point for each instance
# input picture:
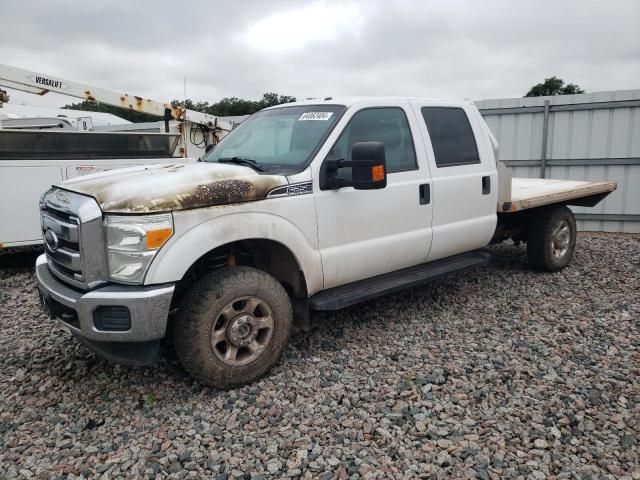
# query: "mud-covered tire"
(206, 306)
(551, 239)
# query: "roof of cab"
(350, 101)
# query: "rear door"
(363, 233)
(464, 175)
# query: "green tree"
(234, 106)
(553, 86)
(270, 99)
(4, 97)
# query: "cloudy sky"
(440, 49)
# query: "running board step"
(369, 288)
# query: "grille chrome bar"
(67, 230)
(66, 258)
(67, 276)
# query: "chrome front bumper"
(148, 307)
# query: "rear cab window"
(451, 136)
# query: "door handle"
(486, 185)
(425, 194)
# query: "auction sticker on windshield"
(316, 116)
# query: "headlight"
(133, 241)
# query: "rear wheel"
(551, 239)
(233, 326)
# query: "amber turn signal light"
(377, 173)
(157, 238)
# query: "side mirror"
(368, 168)
(209, 147)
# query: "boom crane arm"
(41, 84)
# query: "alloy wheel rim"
(561, 239)
(242, 330)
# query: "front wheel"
(551, 239)
(233, 326)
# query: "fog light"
(112, 318)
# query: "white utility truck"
(31, 160)
(314, 205)
(44, 149)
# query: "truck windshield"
(281, 140)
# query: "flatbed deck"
(529, 193)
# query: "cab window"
(451, 136)
(388, 125)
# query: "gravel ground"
(499, 373)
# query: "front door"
(363, 233)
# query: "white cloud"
(453, 49)
(295, 29)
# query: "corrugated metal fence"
(593, 136)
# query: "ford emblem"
(51, 239)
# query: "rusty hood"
(170, 187)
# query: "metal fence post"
(545, 136)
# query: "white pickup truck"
(314, 205)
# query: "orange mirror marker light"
(377, 173)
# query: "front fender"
(196, 236)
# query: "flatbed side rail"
(529, 193)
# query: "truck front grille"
(61, 233)
(73, 238)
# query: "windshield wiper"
(247, 162)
